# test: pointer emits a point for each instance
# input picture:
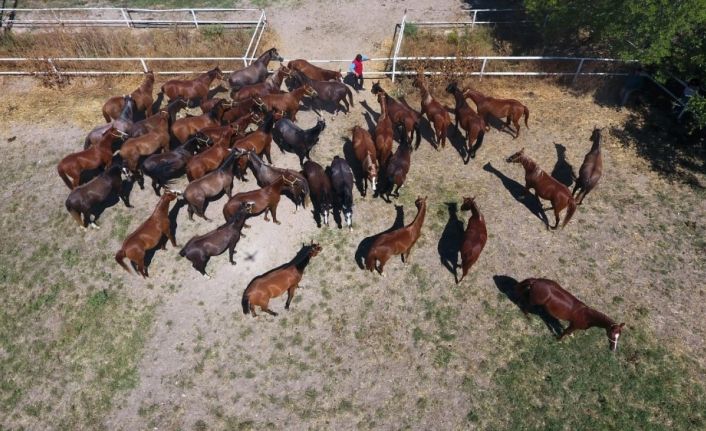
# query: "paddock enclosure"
(85, 345)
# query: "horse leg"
(568, 331)
(557, 210)
(170, 236)
(266, 309)
(156, 186)
(290, 295)
(273, 211)
(405, 256)
(77, 217)
(517, 128)
(190, 210)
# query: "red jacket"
(358, 67)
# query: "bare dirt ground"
(412, 350)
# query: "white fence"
(128, 17)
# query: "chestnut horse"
(193, 90)
(560, 304)
(274, 283)
(149, 123)
(398, 241)
(474, 238)
(591, 169)
(365, 153)
(124, 124)
(499, 108)
(259, 141)
(264, 199)
(546, 187)
(99, 155)
(256, 72)
(210, 185)
(144, 145)
(142, 97)
(183, 128)
(84, 199)
(472, 123)
(238, 109)
(401, 113)
(436, 113)
(314, 72)
(272, 84)
(286, 102)
(208, 160)
(295, 185)
(148, 236)
(384, 134)
(200, 249)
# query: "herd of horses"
(233, 135)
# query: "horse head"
(468, 203)
(149, 76)
(216, 73)
(452, 87)
(420, 201)
(309, 91)
(613, 334)
(314, 249)
(170, 194)
(515, 158)
(376, 88)
(274, 55)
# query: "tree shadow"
(451, 239)
(364, 246)
(518, 192)
(506, 285)
(563, 171)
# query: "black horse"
(256, 72)
(320, 190)
(329, 92)
(342, 181)
(164, 167)
(292, 138)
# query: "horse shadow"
(354, 163)
(164, 241)
(373, 114)
(427, 132)
(563, 171)
(370, 123)
(458, 141)
(451, 239)
(499, 125)
(518, 191)
(364, 246)
(506, 285)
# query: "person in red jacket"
(356, 68)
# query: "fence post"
(144, 65)
(125, 17)
(473, 21)
(196, 22)
(578, 70)
(252, 39)
(397, 46)
(482, 68)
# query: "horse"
(399, 241)
(200, 249)
(148, 236)
(185, 127)
(193, 90)
(99, 155)
(272, 84)
(314, 72)
(123, 125)
(164, 167)
(219, 135)
(510, 109)
(472, 123)
(149, 123)
(591, 169)
(291, 137)
(560, 304)
(263, 200)
(259, 141)
(210, 185)
(398, 165)
(256, 72)
(208, 160)
(384, 134)
(84, 199)
(365, 153)
(144, 145)
(210, 101)
(332, 92)
(342, 183)
(296, 185)
(142, 97)
(474, 237)
(546, 187)
(238, 109)
(321, 190)
(287, 103)
(436, 113)
(401, 113)
(274, 283)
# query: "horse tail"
(526, 116)
(64, 177)
(570, 211)
(370, 261)
(350, 95)
(245, 302)
(119, 256)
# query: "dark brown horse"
(239, 109)
(591, 169)
(164, 167)
(436, 113)
(142, 97)
(510, 109)
(321, 191)
(562, 305)
(286, 103)
(314, 72)
(474, 238)
(201, 248)
(193, 90)
(328, 92)
(210, 185)
(398, 166)
(546, 187)
(472, 123)
(271, 85)
(256, 72)
(401, 113)
(341, 176)
(84, 199)
(263, 200)
(183, 128)
(149, 123)
(144, 145)
(364, 150)
(97, 156)
(274, 283)
(398, 241)
(384, 134)
(123, 125)
(148, 236)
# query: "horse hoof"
(277, 223)
(206, 276)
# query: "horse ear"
(621, 325)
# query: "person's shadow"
(364, 246)
(451, 239)
(563, 171)
(506, 285)
(520, 194)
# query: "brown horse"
(398, 241)
(239, 109)
(398, 165)
(472, 123)
(124, 124)
(474, 238)
(98, 155)
(510, 109)
(85, 199)
(207, 161)
(314, 72)
(296, 185)
(185, 127)
(591, 169)
(259, 141)
(321, 190)
(193, 90)
(271, 85)
(384, 134)
(144, 145)
(287, 102)
(256, 72)
(149, 123)
(274, 283)
(560, 304)
(264, 199)
(142, 97)
(546, 187)
(210, 185)
(436, 113)
(365, 153)
(401, 113)
(148, 236)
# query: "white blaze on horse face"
(615, 342)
